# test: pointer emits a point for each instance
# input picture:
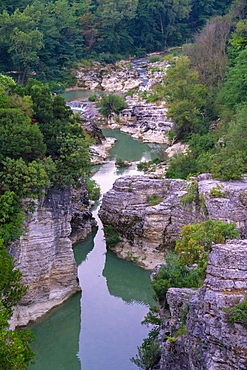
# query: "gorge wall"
(148, 214)
(210, 340)
(44, 253)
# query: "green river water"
(99, 328)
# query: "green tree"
(196, 240)
(18, 137)
(235, 86)
(185, 97)
(15, 352)
(27, 180)
(11, 216)
(149, 352)
(177, 275)
(111, 104)
(22, 40)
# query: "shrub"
(191, 195)
(175, 274)
(238, 313)
(149, 352)
(93, 97)
(111, 103)
(120, 162)
(93, 189)
(155, 58)
(216, 192)
(154, 199)
(111, 236)
(196, 240)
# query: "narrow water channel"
(100, 328)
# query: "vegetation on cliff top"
(206, 98)
(41, 145)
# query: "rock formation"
(210, 340)
(44, 253)
(146, 121)
(115, 78)
(148, 213)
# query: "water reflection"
(115, 298)
(127, 281)
(130, 149)
(57, 338)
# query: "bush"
(111, 104)
(93, 97)
(155, 58)
(175, 274)
(149, 352)
(120, 162)
(93, 189)
(181, 166)
(196, 240)
(154, 199)
(238, 313)
(111, 236)
(191, 195)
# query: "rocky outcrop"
(121, 80)
(156, 72)
(210, 340)
(44, 253)
(148, 213)
(146, 121)
(115, 78)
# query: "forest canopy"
(45, 39)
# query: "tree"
(149, 352)
(22, 40)
(234, 90)
(208, 53)
(111, 104)
(18, 137)
(15, 352)
(185, 97)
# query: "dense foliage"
(205, 91)
(41, 145)
(111, 103)
(185, 268)
(46, 37)
(149, 352)
(15, 352)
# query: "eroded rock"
(211, 341)
(44, 253)
(148, 213)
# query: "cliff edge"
(210, 340)
(44, 253)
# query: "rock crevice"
(211, 341)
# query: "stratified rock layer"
(44, 253)
(211, 342)
(148, 213)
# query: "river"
(100, 328)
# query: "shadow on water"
(107, 316)
(136, 150)
(57, 337)
(81, 250)
(127, 281)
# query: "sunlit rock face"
(44, 253)
(211, 341)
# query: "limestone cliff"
(148, 213)
(211, 341)
(44, 253)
